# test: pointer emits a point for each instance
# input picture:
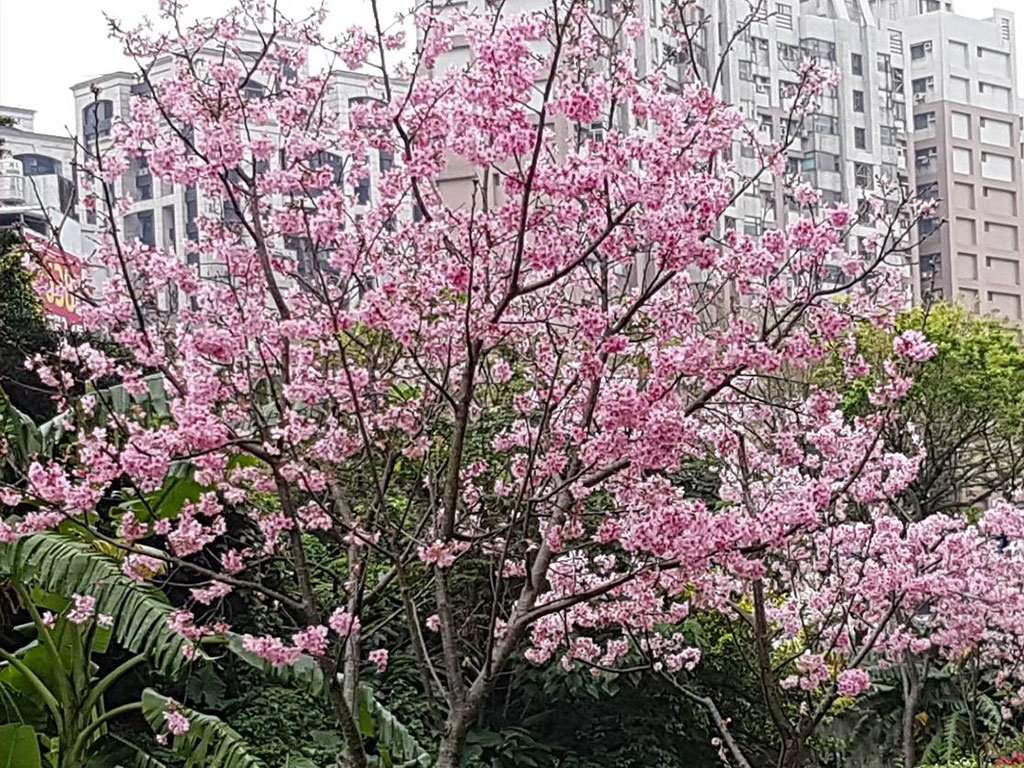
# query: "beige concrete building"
(966, 145)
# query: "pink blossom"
(344, 623)
(312, 640)
(84, 606)
(379, 657)
(142, 567)
(271, 649)
(176, 722)
(912, 344)
(853, 682)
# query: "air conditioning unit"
(919, 98)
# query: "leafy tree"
(964, 412)
(23, 332)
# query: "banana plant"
(53, 692)
(78, 601)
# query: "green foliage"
(966, 407)
(64, 565)
(23, 331)
(208, 743)
(19, 747)
(394, 742)
(116, 752)
(282, 723)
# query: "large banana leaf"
(64, 565)
(395, 743)
(19, 747)
(20, 434)
(209, 741)
(114, 752)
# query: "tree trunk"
(793, 756)
(449, 753)
(911, 695)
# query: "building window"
(784, 16)
(931, 268)
(759, 49)
(790, 53)
(140, 226)
(960, 125)
(857, 63)
(920, 50)
(926, 159)
(961, 161)
(997, 132)
(922, 85)
(924, 121)
(363, 190)
(746, 70)
(860, 138)
(858, 101)
(762, 84)
(928, 191)
(887, 136)
(38, 165)
(142, 179)
(303, 251)
(825, 124)
(191, 212)
(884, 62)
(863, 175)
(96, 119)
(824, 50)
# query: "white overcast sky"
(48, 45)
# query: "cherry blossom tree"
(498, 368)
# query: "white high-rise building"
(926, 97)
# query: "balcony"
(12, 182)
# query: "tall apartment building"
(926, 97)
(857, 138)
(859, 134)
(37, 180)
(966, 144)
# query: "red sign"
(61, 275)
